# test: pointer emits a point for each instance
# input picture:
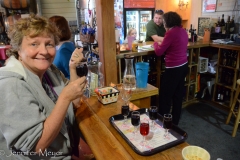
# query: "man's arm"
(157, 38)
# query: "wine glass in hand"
(153, 116)
(167, 123)
(135, 120)
(125, 112)
(144, 130)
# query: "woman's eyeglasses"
(159, 11)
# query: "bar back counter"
(197, 52)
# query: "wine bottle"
(227, 26)
(190, 33)
(226, 76)
(218, 95)
(194, 36)
(229, 62)
(222, 94)
(234, 59)
(232, 25)
(223, 75)
(224, 60)
(223, 24)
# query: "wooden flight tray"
(156, 142)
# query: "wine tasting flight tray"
(155, 139)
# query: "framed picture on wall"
(203, 22)
(209, 5)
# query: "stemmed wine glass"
(144, 130)
(153, 116)
(126, 94)
(135, 120)
(167, 123)
(125, 112)
(82, 70)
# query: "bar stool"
(235, 113)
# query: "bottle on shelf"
(218, 26)
(229, 59)
(218, 94)
(194, 36)
(223, 75)
(223, 24)
(190, 33)
(234, 59)
(227, 25)
(226, 77)
(222, 94)
(227, 96)
(232, 25)
(224, 60)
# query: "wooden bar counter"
(105, 141)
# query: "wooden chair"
(236, 113)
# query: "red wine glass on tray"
(153, 116)
(144, 131)
(135, 120)
(125, 112)
(167, 123)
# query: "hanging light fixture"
(181, 4)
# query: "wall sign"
(203, 22)
(209, 5)
(139, 3)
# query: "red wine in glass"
(144, 129)
(153, 116)
(135, 120)
(152, 113)
(167, 124)
(125, 110)
(82, 69)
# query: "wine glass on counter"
(125, 113)
(167, 123)
(135, 120)
(153, 116)
(126, 94)
(144, 131)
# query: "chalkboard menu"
(139, 4)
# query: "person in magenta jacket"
(174, 47)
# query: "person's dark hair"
(172, 19)
(62, 25)
(159, 12)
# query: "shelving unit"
(226, 82)
(191, 81)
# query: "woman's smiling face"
(37, 53)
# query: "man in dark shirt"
(155, 28)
